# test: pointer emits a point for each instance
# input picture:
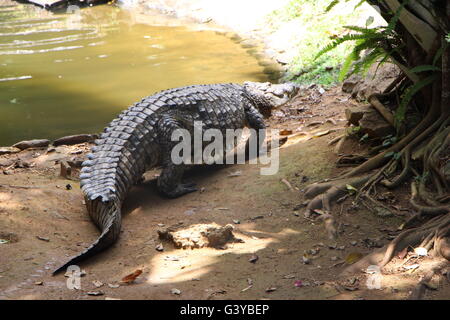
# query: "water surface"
(64, 74)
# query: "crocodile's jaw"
(268, 96)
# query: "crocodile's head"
(267, 96)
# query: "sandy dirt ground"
(281, 255)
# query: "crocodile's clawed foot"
(182, 189)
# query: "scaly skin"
(140, 139)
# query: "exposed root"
(325, 193)
(387, 115)
(438, 227)
(424, 152)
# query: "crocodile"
(139, 139)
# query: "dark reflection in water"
(62, 74)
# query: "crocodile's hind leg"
(169, 181)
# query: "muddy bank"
(248, 19)
(268, 40)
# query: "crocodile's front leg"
(169, 182)
(255, 121)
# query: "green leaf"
(359, 4)
(423, 68)
(409, 94)
(439, 53)
(347, 64)
(364, 137)
(389, 154)
(351, 188)
(331, 5)
(369, 21)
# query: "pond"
(70, 73)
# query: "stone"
(8, 150)
(350, 83)
(370, 121)
(199, 236)
(74, 139)
(355, 114)
(36, 143)
(66, 170)
(375, 125)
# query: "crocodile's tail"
(107, 217)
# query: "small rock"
(349, 84)
(95, 293)
(334, 258)
(175, 291)
(74, 139)
(8, 150)
(306, 260)
(236, 222)
(253, 259)
(38, 283)
(159, 247)
(36, 143)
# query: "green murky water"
(64, 74)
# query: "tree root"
(323, 193)
(438, 227)
(387, 115)
(430, 226)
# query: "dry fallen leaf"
(131, 277)
(247, 288)
(285, 132)
(287, 183)
(353, 257)
(412, 267)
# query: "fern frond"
(393, 22)
(338, 41)
(364, 64)
(409, 94)
(359, 4)
(331, 5)
(347, 64)
(364, 30)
